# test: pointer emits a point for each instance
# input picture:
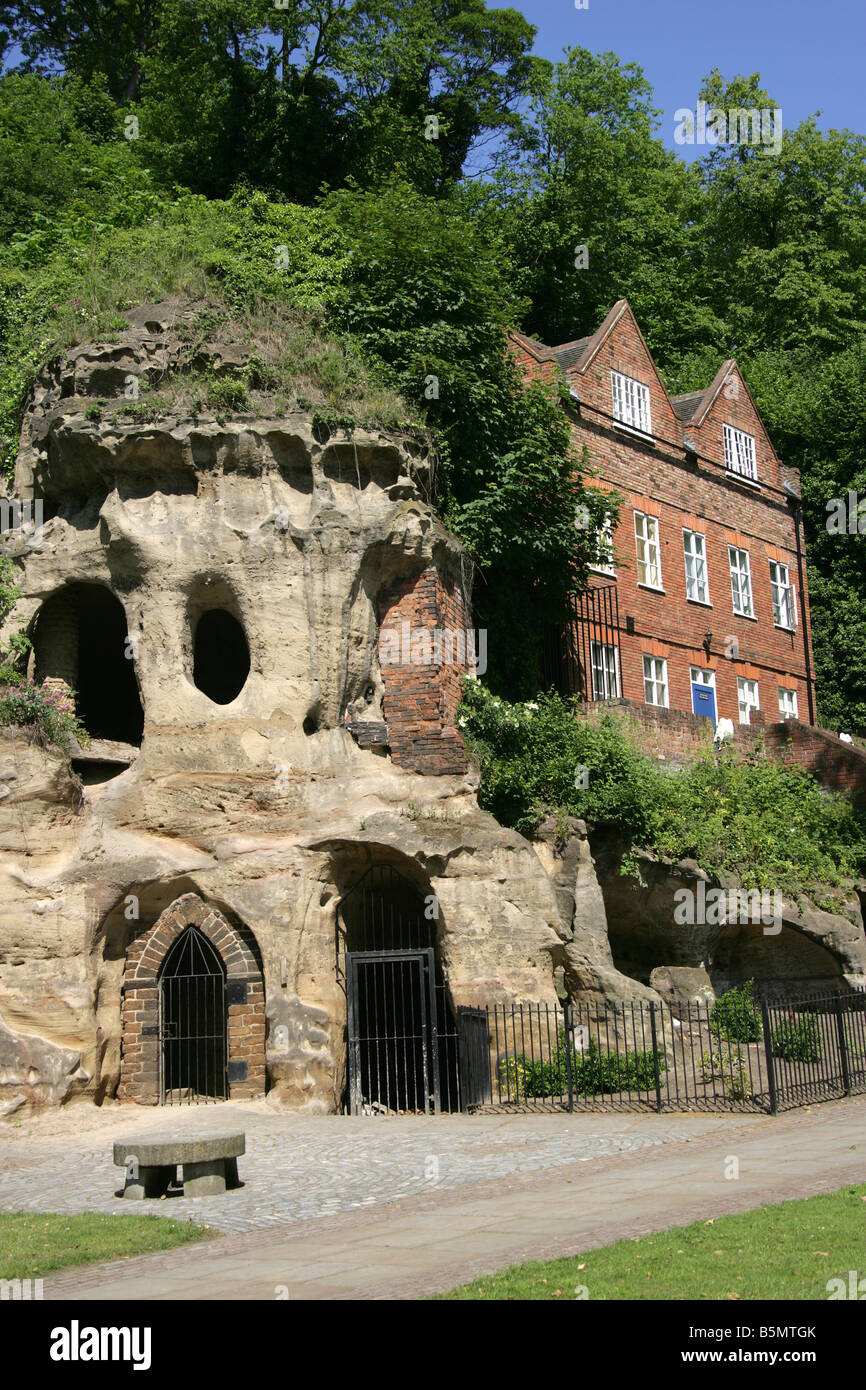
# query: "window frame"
(735, 592)
(647, 541)
(594, 665)
(603, 536)
(656, 681)
(776, 588)
(793, 714)
(639, 408)
(731, 437)
(750, 705)
(692, 555)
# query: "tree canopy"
(432, 183)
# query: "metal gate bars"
(402, 1038)
(192, 1022)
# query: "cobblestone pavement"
(298, 1167)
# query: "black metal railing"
(768, 1057)
(583, 658)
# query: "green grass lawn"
(788, 1251)
(32, 1245)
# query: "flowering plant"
(50, 713)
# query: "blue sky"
(810, 53)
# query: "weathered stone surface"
(159, 1149)
(800, 947)
(36, 1072)
(679, 984)
(263, 808)
(589, 971)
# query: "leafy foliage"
(797, 1040)
(770, 823)
(47, 713)
(729, 1066)
(736, 1016)
(593, 1072)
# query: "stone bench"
(209, 1162)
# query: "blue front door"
(704, 701)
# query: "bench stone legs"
(151, 1181)
(206, 1179)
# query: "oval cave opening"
(221, 656)
(80, 641)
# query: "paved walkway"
(298, 1168)
(557, 1185)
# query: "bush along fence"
(734, 1054)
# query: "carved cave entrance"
(80, 643)
(401, 1035)
(192, 1008)
(193, 1022)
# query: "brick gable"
(679, 477)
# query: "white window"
(695, 549)
(649, 563)
(747, 694)
(741, 582)
(784, 603)
(603, 560)
(631, 402)
(740, 452)
(701, 677)
(605, 671)
(655, 681)
(787, 704)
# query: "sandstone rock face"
(786, 946)
(679, 984)
(589, 972)
(214, 590)
(35, 1072)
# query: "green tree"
(430, 296)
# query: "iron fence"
(583, 658)
(769, 1056)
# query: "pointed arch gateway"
(193, 1011)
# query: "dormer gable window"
(740, 452)
(631, 403)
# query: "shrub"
(610, 1072)
(593, 1072)
(48, 712)
(797, 1040)
(729, 1066)
(770, 824)
(735, 1015)
(228, 393)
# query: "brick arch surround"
(139, 1065)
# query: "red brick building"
(699, 600)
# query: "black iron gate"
(192, 1022)
(393, 1042)
(402, 1037)
(476, 1082)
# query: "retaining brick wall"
(421, 696)
(673, 736)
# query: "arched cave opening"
(221, 656)
(80, 640)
